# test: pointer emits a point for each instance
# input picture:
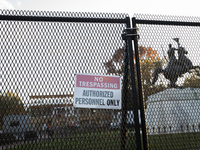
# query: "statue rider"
(172, 58)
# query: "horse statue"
(176, 68)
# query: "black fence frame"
(136, 21)
(128, 59)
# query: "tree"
(11, 104)
(149, 60)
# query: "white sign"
(97, 91)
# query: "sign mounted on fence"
(97, 91)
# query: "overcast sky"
(159, 7)
(131, 7)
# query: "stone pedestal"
(173, 111)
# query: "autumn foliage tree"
(10, 104)
(149, 60)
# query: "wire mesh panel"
(40, 54)
(169, 64)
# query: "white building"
(173, 111)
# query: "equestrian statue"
(176, 67)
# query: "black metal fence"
(171, 110)
(41, 53)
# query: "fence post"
(144, 134)
(125, 87)
(129, 35)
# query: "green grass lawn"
(99, 140)
(112, 140)
(182, 141)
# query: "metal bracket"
(129, 32)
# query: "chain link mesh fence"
(42, 51)
(40, 56)
(172, 110)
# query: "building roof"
(51, 96)
(50, 104)
(175, 94)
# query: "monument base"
(173, 111)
